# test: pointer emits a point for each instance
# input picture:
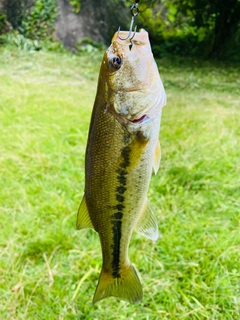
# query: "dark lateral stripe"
(120, 198)
(117, 234)
(121, 189)
(120, 207)
(117, 216)
(122, 179)
(126, 157)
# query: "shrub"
(38, 22)
(2, 22)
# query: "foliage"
(179, 27)
(88, 45)
(76, 5)
(2, 21)
(193, 26)
(31, 45)
(21, 42)
(14, 11)
(219, 19)
(48, 269)
(38, 22)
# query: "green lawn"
(48, 270)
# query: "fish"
(122, 151)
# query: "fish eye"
(115, 62)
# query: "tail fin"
(125, 287)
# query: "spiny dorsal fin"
(147, 224)
(83, 217)
(157, 157)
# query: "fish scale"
(121, 151)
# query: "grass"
(48, 270)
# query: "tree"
(219, 18)
(215, 24)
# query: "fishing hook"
(134, 13)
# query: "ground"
(48, 269)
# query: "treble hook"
(134, 12)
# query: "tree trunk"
(226, 23)
(2, 9)
(97, 19)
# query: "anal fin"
(83, 217)
(147, 224)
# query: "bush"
(2, 22)
(76, 5)
(38, 22)
(18, 40)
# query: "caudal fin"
(125, 287)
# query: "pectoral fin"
(83, 217)
(157, 157)
(147, 224)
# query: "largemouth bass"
(122, 150)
